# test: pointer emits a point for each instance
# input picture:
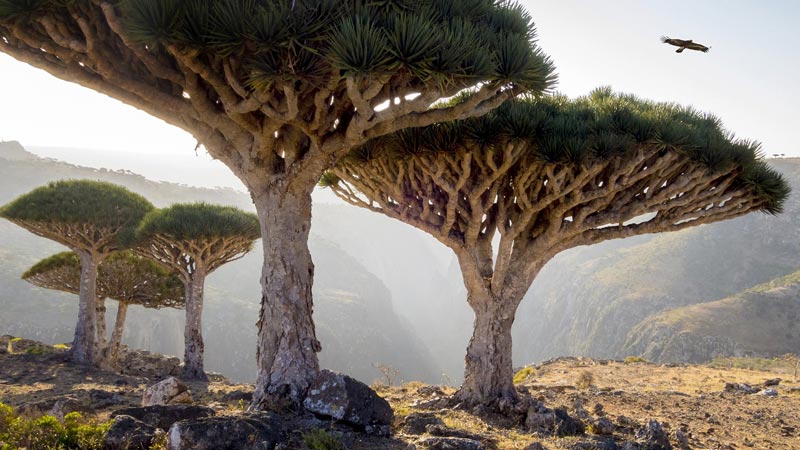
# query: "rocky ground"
(632, 405)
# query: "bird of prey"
(684, 44)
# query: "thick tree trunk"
(193, 332)
(100, 320)
(83, 345)
(488, 370)
(119, 328)
(287, 343)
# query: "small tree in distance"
(536, 177)
(125, 277)
(278, 91)
(92, 218)
(194, 240)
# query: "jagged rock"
(602, 426)
(772, 382)
(66, 405)
(430, 391)
(415, 423)
(100, 399)
(344, 398)
(238, 396)
(163, 416)
(445, 431)
(165, 392)
(145, 364)
(557, 421)
(653, 437)
(595, 444)
(740, 387)
(127, 433)
(257, 431)
(535, 446)
(451, 443)
(627, 422)
(682, 439)
(769, 392)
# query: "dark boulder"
(127, 433)
(163, 416)
(416, 423)
(255, 431)
(451, 443)
(343, 398)
(653, 437)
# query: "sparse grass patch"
(783, 364)
(585, 379)
(635, 360)
(37, 350)
(320, 439)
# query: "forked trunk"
(119, 328)
(287, 342)
(488, 369)
(193, 332)
(83, 345)
(100, 323)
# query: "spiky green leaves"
(123, 276)
(439, 40)
(94, 204)
(199, 221)
(583, 131)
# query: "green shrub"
(47, 433)
(36, 350)
(322, 440)
(524, 374)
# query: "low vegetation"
(48, 433)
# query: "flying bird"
(684, 44)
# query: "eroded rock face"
(255, 431)
(164, 416)
(343, 398)
(145, 364)
(128, 433)
(166, 392)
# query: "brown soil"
(691, 398)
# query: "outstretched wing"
(675, 42)
(697, 47)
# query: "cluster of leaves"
(95, 203)
(198, 221)
(286, 40)
(123, 276)
(596, 127)
(46, 432)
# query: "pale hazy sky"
(750, 78)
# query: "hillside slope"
(762, 321)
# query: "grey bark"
(83, 344)
(119, 328)
(287, 343)
(100, 319)
(193, 331)
(488, 367)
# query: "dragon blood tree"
(194, 240)
(279, 90)
(508, 191)
(125, 277)
(92, 218)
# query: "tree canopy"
(80, 213)
(546, 175)
(199, 221)
(122, 276)
(227, 70)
